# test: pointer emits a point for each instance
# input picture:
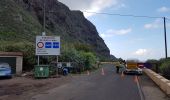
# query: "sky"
(129, 37)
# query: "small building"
(14, 59)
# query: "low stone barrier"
(155, 77)
(168, 88)
(162, 82)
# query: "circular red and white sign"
(40, 44)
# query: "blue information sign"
(48, 44)
(55, 44)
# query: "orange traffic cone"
(138, 78)
(88, 73)
(122, 75)
(135, 79)
(102, 72)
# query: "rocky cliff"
(23, 19)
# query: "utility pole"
(166, 54)
(44, 21)
(43, 33)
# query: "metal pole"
(57, 66)
(38, 60)
(166, 54)
(57, 59)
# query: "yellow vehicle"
(132, 68)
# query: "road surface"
(103, 84)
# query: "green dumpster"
(41, 71)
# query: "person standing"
(117, 69)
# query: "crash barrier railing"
(107, 62)
(139, 65)
(162, 82)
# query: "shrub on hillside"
(83, 47)
(155, 64)
(82, 58)
(89, 60)
(165, 68)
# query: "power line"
(164, 18)
(129, 15)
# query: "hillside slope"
(21, 20)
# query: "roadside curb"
(162, 82)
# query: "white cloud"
(141, 52)
(163, 9)
(117, 7)
(119, 32)
(105, 35)
(158, 23)
(112, 32)
(91, 5)
(151, 25)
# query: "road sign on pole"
(47, 45)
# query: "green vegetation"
(165, 67)
(82, 47)
(17, 24)
(82, 58)
(155, 64)
(161, 66)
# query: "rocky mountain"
(22, 20)
(113, 58)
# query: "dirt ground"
(22, 88)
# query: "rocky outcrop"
(72, 26)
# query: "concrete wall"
(162, 82)
(19, 63)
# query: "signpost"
(47, 45)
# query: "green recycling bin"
(41, 71)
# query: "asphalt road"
(98, 85)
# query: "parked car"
(5, 70)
